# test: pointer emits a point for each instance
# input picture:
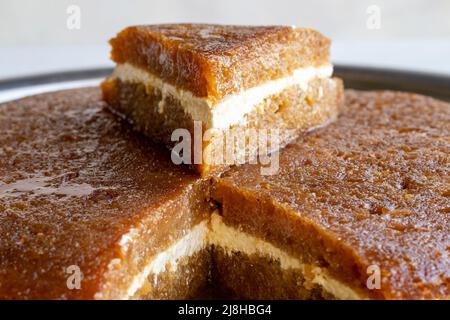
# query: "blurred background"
(49, 35)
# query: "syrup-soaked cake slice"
(226, 78)
(359, 209)
(91, 210)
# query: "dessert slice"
(358, 210)
(90, 210)
(225, 85)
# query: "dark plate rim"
(368, 78)
(356, 77)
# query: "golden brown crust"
(370, 189)
(216, 60)
(74, 180)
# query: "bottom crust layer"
(250, 267)
(241, 276)
(291, 112)
(190, 280)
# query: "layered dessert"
(91, 210)
(225, 85)
(358, 210)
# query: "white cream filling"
(217, 233)
(194, 241)
(230, 110)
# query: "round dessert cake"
(90, 209)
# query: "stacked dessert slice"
(240, 92)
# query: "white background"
(413, 34)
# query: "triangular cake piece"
(226, 81)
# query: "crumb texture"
(240, 276)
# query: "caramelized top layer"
(73, 180)
(216, 60)
(375, 182)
